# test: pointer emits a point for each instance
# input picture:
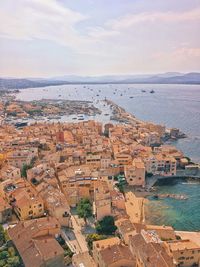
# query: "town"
(69, 196)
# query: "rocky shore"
(174, 196)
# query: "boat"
(21, 124)
(143, 91)
(152, 92)
(155, 196)
(54, 117)
(131, 97)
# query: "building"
(185, 253)
(76, 183)
(36, 243)
(24, 199)
(83, 260)
(163, 231)
(19, 158)
(102, 200)
(123, 159)
(118, 200)
(109, 245)
(115, 256)
(5, 211)
(135, 173)
(148, 251)
(10, 172)
(56, 204)
(160, 165)
(93, 159)
(126, 229)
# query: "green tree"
(120, 186)
(4, 255)
(26, 167)
(2, 263)
(106, 226)
(2, 235)
(11, 251)
(24, 170)
(13, 262)
(84, 208)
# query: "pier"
(150, 182)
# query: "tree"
(2, 235)
(2, 263)
(24, 170)
(14, 261)
(84, 208)
(120, 186)
(4, 255)
(106, 226)
(11, 251)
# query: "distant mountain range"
(164, 78)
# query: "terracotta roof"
(151, 254)
(115, 253)
(125, 226)
(34, 241)
(182, 245)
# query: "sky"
(47, 38)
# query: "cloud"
(101, 33)
(180, 54)
(36, 19)
(74, 40)
(148, 17)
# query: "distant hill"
(168, 78)
(10, 83)
(163, 78)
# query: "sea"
(171, 105)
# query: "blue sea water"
(171, 105)
(181, 214)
